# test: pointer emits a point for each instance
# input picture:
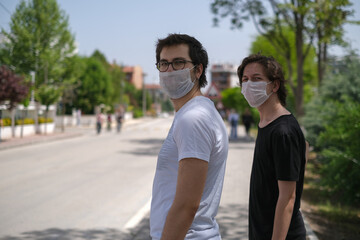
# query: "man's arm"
(189, 189)
(284, 209)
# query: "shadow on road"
(70, 234)
(147, 147)
(232, 219)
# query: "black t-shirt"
(279, 155)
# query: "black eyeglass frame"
(171, 63)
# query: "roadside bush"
(332, 124)
(26, 121)
(137, 113)
(6, 122)
(340, 154)
(45, 120)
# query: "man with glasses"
(191, 163)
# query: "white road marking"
(135, 220)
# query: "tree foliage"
(95, 86)
(232, 98)
(48, 95)
(333, 128)
(330, 16)
(13, 88)
(301, 17)
(39, 40)
(117, 77)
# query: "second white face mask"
(176, 84)
(255, 92)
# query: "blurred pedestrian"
(233, 121)
(109, 121)
(119, 118)
(247, 120)
(277, 174)
(191, 163)
(99, 121)
(78, 117)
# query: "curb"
(13, 143)
(310, 235)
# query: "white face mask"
(176, 84)
(255, 92)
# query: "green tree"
(301, 17)
(134, 98)
(74, 68)
(95, 86)
(333, 128)
(329, 19)
(39, 40)
(118, 82)
(117, 78)
(232, 98)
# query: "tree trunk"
(300, 67)
(37, 128)
(13, 110)
(63, 117)
(319, 64)
(322, 61)
(22, 122)
(46, 114)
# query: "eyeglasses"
(163, 66)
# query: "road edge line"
(135, 220)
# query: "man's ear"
(199, 70)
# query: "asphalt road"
(93, 184)
(99, 186)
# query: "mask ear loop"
(195, 73)
(271, 90)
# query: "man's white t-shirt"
(197, 131)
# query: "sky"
(126, 31)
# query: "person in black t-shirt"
(277, 174)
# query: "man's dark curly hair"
(197, 52)
(272, 70)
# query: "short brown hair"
(272, 70)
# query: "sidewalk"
(70, 132)
(33, 139)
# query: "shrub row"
(7, 121)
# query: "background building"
(224, 76)
(134, 75)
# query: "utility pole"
(144, 95)
(32, 73)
